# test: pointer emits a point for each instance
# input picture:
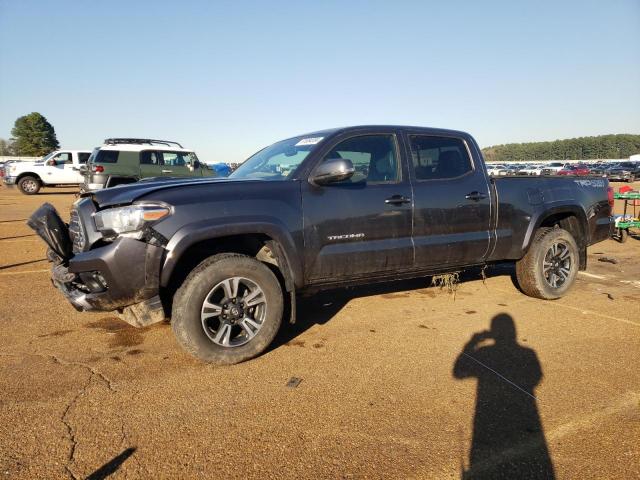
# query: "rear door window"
(83, 157)
(149, 157)
(437, 158)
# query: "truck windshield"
(278, 161)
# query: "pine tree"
(34, 136)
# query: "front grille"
(76, 232)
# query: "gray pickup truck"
(223, 256)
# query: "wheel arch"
(570, 218)
(266, 242)
(29, 174)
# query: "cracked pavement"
(85, 394)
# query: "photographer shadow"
(508, 438)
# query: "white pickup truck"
(59, 168)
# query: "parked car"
(59, 168)
(578, 170)
(323, 210)
(553, 168)
(494, 169)
(598, 168)
(512, 170)
(623, 172)
(531, 170)
(127, 160)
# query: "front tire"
(228, 309)
(550, 266)
(29, 185)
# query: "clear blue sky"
(228, 77)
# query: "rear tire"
(550, 266)
(29, 185)
(242, 290)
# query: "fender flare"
(201, 231)
(540, 217)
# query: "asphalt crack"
(70, 430)
(93, 373)
(64, 418)
(106, 380)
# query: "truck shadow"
(320, 308)
(508, 440)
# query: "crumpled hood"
(126, 194)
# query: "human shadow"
(112, 465)
(508, 439)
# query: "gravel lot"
(388, 388)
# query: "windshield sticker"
(308, 141)
(590, 183)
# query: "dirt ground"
(390, 386)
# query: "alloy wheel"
(557, 264)
(233, 312)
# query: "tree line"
(32, 136)
(581, 148)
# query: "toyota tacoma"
(224, 258)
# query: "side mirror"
(196, 164)
(51, 163)
(332, 170)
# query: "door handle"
(397, 200)
(476, 196)
(167, 171)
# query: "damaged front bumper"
(122, 275)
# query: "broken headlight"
(128, 220)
